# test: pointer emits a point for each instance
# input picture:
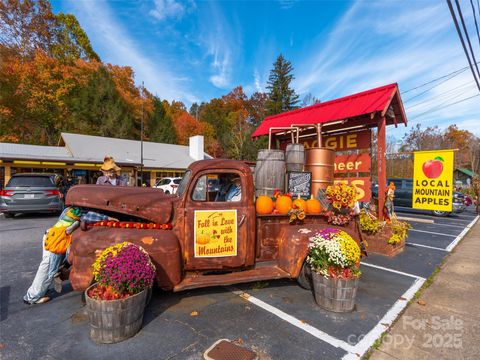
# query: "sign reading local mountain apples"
(433, 180)
(215, 233)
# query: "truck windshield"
(184, 183)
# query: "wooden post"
(153, 178)
(382, 168)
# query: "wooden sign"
(299, 183)
(362, 184)
(348, 141)
(352, 163)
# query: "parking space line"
(393, 271)
(447, 225)
(462, 234)
(319, 334)
(426, 246)
(369, 339)
(431, 232)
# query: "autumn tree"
(417, 138)
(281, 97)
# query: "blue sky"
(196, 50)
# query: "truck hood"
(147, 203)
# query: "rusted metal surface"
(245, 216)
(161, 245)
(198, 280)
(320, 161)
(225, 350)
(146, 203)
(288, 244)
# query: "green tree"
(71, 41)
(281, 97)
(160, 125)
(98, 109)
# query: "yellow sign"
(215, 233)
(433, 180)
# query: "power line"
(452, 12)
(438, 96)
(468, 37)
(443, 107)
(432, 81)
(475, 19)
(434, 86)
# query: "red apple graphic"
(433, 168)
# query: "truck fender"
(162, 246)
(293, 248)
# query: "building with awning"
(374, 108)
(81, 156)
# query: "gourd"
(283, 204)
(313, 206)
(203, 239)
(264, 205)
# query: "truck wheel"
(167, 192)
(305, 277)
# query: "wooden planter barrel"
(112, 321)
(269, 172)
(337, 295)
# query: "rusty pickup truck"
(196, 238)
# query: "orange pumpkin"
(203, 239)
(299, 203)
(264, 205)
(313, 206)
(283, 204)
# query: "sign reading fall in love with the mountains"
(433, 180)
(215, 233)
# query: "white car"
(169, 185)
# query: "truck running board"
(194, 281)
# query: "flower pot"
(112, 321)
(333, 294)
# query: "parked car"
(404, 193)
(31, 193)
(169, 185)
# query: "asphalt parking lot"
(277, 319)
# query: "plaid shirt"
(93, 217)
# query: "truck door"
(216, 221)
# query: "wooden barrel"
(269, 172)
(337, 295)
(295, 157)
(112, 321)
(320, 161)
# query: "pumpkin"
(203, 239)
(313, 206)
(283, 204)
(299, 203)
(264, 205)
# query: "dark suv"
(404, 193)
(32, 193)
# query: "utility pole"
(141, 141)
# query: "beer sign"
(352, 163)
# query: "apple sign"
(433, 168)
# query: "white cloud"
(118, 47)
(376, 43)
(167, 8)
(220, 41)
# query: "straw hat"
(109, 164)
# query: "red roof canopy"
(355, 110)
